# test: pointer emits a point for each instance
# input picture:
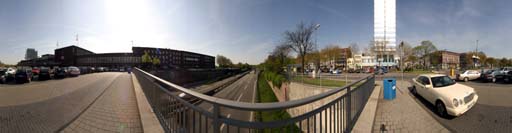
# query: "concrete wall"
(294, 91)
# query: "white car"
(468, 75)
(448, 97)
(73, 71)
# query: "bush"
(276, 79)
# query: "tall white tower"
(384, 35)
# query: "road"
(242, 90)
(53, 105)
(492, 113)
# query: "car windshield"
(442, 81)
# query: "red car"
(35, 72)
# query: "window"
(442, 81)
(423, 80)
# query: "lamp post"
(317, 26)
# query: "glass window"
(442, 81)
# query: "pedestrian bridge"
(179, 109)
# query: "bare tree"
(300, 40)
(354, 48)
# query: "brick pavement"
(403, 114)
(115, 111)
(52, 114)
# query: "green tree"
(156, 61)
(423, 51)
(146, 59)
(491, 62)
(503, 62)
(224, 62)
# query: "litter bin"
(389, 88)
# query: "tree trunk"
(303, 66)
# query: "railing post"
(348, 110)
(216, 121)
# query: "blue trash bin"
(389, 88)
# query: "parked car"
(45, 73)
(101, 69)
(9, 74)
(73, 71)
(336, 71)
(60, 73)
(505, 70)
(468, 75)
(3, 76)
(486, 75)
(35, 73)
(449, 97)
(492, 75)
(508, 77)
(23, 76)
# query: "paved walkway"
(403, 114)
(34, 115)
(114, 111)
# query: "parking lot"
(492, 113)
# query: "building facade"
(385, 33)
(449, 59)
(77, 56)
(30, 54)
(67, 56)
(177, 58)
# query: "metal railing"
(182, 110)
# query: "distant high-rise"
(30, 54)
(385, 32)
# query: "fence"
(182, 110)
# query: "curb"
(150, 123)
(364, 123)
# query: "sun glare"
(131, 20)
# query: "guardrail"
(176, 113)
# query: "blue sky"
(243, 30)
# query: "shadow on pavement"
(427, 105)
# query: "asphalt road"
(242, 90)
(48, 106)
(492, 113)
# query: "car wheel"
(413, 90)
(466, 79)
(440, 109)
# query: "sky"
(243, 30)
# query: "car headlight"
(455, 102)
(460, 102)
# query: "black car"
(23, 76)
(60, 73)
(508, 77)
(3, 76)
(487, 76)
(45, 74)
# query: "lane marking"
(222, 126)
(254, 95)
(240, 97)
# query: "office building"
(385, 33)
(30, 54)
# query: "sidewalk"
(403, 114)
(114, 111)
